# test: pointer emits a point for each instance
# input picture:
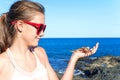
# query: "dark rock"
(102, 68)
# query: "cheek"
(30, 39)
(29, 33)
(31, 30)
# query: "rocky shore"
(102, 68)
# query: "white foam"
(76, 72)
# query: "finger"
(88, 47)
(94, 49)
(88, 54)
(97, 44)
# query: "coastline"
(56, 47)
(102, 68)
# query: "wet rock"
(102, 68)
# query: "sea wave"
(76, 72)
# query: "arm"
(68, 75)
(51, 73)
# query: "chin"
(34, 45)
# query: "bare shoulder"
(6, 67)
(41, 53)
(4, 61)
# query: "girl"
(20, 56)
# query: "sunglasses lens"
(42, 27)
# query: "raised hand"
(85, 51)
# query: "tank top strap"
(36, 56)
(40, 72)
(17, 67)
(10, 57)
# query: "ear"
(19, 25)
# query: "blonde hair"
(20, 10)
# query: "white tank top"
(40, 72)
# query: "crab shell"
(83, 49)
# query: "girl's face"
(33, 29)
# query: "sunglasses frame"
(39, 27)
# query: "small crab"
(83, 49)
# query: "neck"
(19, 48)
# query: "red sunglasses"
(39, 27)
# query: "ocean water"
(59, 49)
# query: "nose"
(41, 33)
